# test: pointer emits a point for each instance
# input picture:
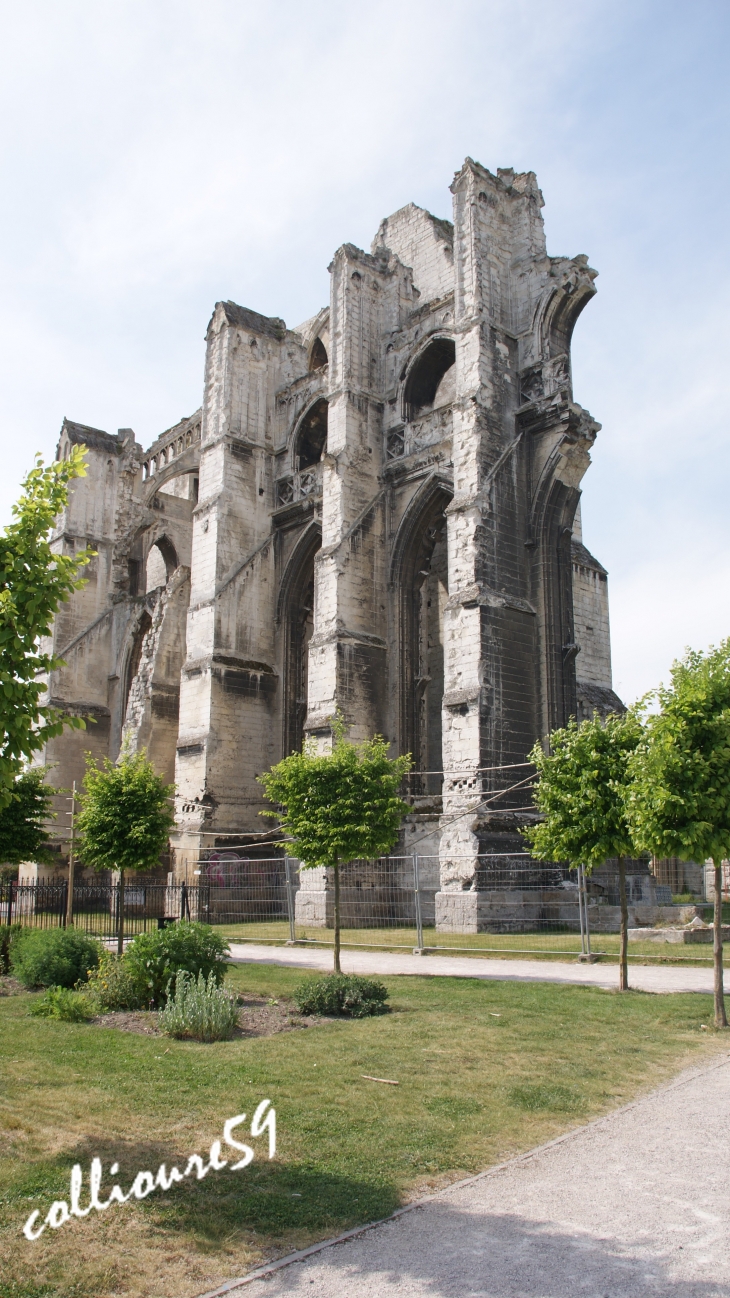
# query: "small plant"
(199, 1009)
(112, 986)
(341, 994)
(53, 957)
(8, 934)
(153, 959)
(62, 1003)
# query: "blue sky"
(157, 156)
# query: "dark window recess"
(312, 436)
(166, 704)
(426, 375)
(196, 489)
(189, 750)
(253, 684)
(133, 568)
(318, 358)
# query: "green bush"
(153, 959)
(8, 934)
(112, 986)
(199, 1009)
(61, 1003)
(53, 957)
(341, 994)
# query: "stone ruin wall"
(372, 512)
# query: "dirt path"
(646, 978)
(635, 1204)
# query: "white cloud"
(155, 158)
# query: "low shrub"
(153, 959)
(62, 1003)
(199, 1009)
(53, 957)
(341, 994)
(112, 986)
(8, 934)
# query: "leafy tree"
(582, 795)
(23, 835)
(125, 819)
(679, 797)
(340, 806)
(34, 582)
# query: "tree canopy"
(126, 814)
(679, 798)
(339, 806)
(23, 833)
(34, 581)
(581, 792)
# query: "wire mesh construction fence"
(513, 905)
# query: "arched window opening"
(135, 657)
(161, 563)
(318, 357)
(312, 436)
(431, 381)
(422, 579)
(298, 615)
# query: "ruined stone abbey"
(376, 511)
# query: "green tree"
(125, 819)
(23, 833)
(34, 581)
(340, 806)
(581, 793)
(679, 797)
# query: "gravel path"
(646, 978)
(634, 1204)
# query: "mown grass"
(485, 1070)
(502, 946)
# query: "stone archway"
(296, 616)
(421, 582)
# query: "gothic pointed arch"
(419, 579)
(310, 437)
(295, 616)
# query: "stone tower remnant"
(374, 512)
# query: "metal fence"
(513, 905)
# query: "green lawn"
(507, 946)
(484, 1070)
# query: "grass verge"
(496, 946)
(485, 1070)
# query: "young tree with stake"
(125, 819)
(679, 796)
(582, 795)
(340, 806)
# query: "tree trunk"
(120, 920)
(720, 1015)
(623, 977)
(337, 920)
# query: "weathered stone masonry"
(376, 512)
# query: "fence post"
(580, 911)
(290, 899)
(10, 903)
(417, 897)
(184, 903)
(64, 906)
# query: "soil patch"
(10, 986)
(257, 1017)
